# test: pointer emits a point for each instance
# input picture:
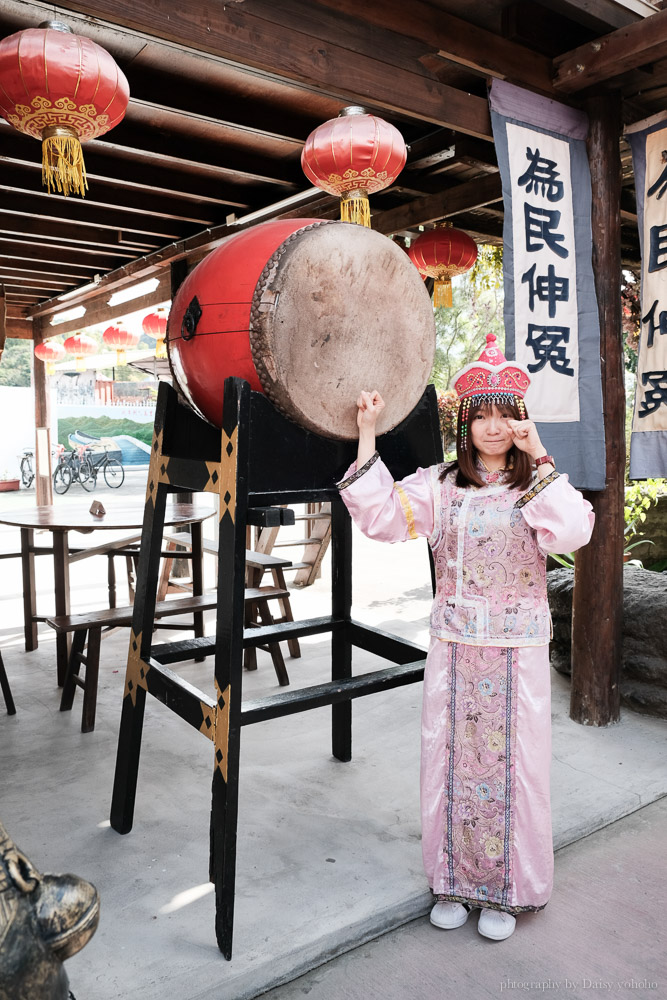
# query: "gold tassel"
(355, 207)
(62, 162)
(160, 349)
(121, 357)
(442, 293)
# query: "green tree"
(477, 309)
(15, 364)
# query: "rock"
(644, 674)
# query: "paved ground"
(599, 936)
(328, 853)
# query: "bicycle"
(73, 467)
(27, 473)
(114, 473)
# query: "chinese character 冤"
(540, 226)
(548, 346)
(657, 248)
(656, 395)
(661, 181)
(541, 173)
(547, 287)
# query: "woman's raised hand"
(370, 406)
(525, 437)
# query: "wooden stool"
(6, 690)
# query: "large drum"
(310, 313)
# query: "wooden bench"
(90, 625)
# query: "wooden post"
(597, 609)
(43, 480)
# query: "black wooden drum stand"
(259, 459)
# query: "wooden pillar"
(597, 610)
(43, 480)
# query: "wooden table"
(77, 517)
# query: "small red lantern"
(441, 253)
(80, 345)
(353, 156)
(61, 88)
(120, 339)
(50, 351)
(155, 325)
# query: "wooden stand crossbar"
(251, 465)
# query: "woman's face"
(490, 432)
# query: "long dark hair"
(519, 471)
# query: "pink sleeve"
(559, 514)
(385, 510)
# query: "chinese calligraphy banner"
(551, 314)
(648, 443)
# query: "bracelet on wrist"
(545, 460)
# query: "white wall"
(17, 420)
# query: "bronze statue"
(43, 920)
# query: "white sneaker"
(447, 916)
(496, 924)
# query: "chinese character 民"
(541, 173)
(657, 248)
(657, 395)
(661, 181)
(547, 287)
(660, 326)
(547, 345)
(540, 226)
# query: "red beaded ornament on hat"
(490, 379)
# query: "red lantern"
(50, 351)
(121, 339)
(441, 253)
(80, 345)
(155, 325)
(61, 88)
(353, 156)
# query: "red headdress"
(491, 379)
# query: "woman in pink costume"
(491, 518)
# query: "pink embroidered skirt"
(486, 757)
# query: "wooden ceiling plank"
(18, 329)
(42, 268)
(606, 58)
(233, 34)
(73, 253)
(16, 224)
(454, 39)
(12, 251)
(432, 208)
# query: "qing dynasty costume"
(486, 717)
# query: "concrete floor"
(329, 854)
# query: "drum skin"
(309, 313)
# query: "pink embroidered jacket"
(489, 545)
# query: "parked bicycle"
(27, 472)
(114, 473)
(73, 467)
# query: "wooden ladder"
(317, 523)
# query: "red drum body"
(309, 313)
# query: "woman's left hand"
(525, 437)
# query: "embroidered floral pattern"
(537, 488)
(359, 473)
(479, 793)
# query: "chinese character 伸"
(548, 346)
(655, 396)
(541, 224)
(547, 287)
(660, 326)
(541, 173)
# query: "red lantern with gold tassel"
(80, 345)
(155, 325)
(121, 340)
(442, 253)
(353, 156)
(50, 351)
(61, 88)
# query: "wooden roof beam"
(231, 33)
(432, 208)
(454, 39)
(608, 57)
